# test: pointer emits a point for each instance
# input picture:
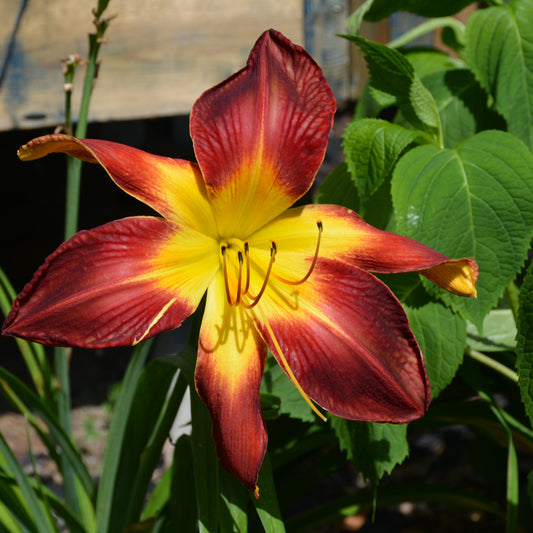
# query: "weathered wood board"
(161, 54)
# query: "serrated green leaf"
(374, 448)
(356, 18)
(383, 8)
(499, 332)
(441, 335)
(425, 61)
(524, 348)
(499, 47)
(372, 147)
(276, 382)
(476, 200)
(393, 81)
(462, 105)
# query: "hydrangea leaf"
(499, 332)
(383, 8)
(475, 200)
(441, 335)
(524, 348)
(499, 47)
(393, 81)
(372, 147)
(462, 105)
(375, 449)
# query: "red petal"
(231, 360)
(347, 340)
(260, 136)
(114, 285)
(173, 187)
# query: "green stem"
(513, 299)
(74, 165)
(491, 363)
(62, 355)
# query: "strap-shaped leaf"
(393, 81)
(476, 200)
(499, 46)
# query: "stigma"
(237, 266)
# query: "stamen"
(223, 249)
(255, 299)
(157, 318)
(313, 263)
(290, 372)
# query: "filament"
(313, 263)
(238, 299)
(290, 373)
(247, 255)
(255, 299)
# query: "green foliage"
(475, 200)
(453, 168)
(372, 148)
(455, 162)
(374, 448)
(441, 335)
(524, 349)
(499, 48)
(393, 81)
(384, 8)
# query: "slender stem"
(491, 363)
(513, 299)
(62, 355)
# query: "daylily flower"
(295, 280)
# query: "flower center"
(237, 268)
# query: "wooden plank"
(160, 57)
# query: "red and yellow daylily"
(293, 279)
